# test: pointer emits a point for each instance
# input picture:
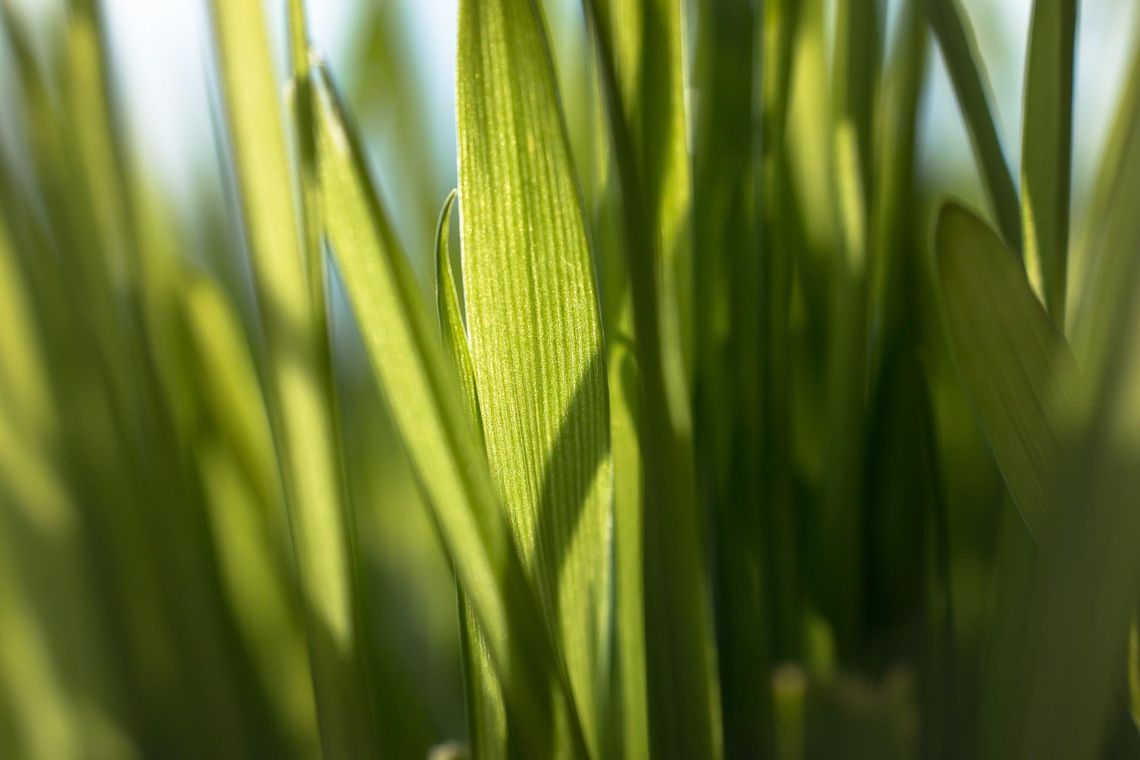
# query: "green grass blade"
(959, 51)
(451, 327)
(1008, 355)
(299, 386)
(529, 287)
(684, 705)
(1046, 150)
(426, 404)
(1084, 598)
(486, 713)
(629, 553)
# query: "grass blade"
(1007, 353)
(300, 390)
(1046, 150)
(404, 348)
(486, 713)
(529, 286)
(645, 112)
(959, 51)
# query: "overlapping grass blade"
(1008, 355)
(1083, 598)
(959, 51)
(486, 714)
(535, 329)
(641, 86)
(299, 385)
(426, 404)
(1046, 150)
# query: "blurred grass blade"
(639, 58)
(427, 408)
(1008, 355)
(1046, 150)
(486, 713)
(529, 286)
(299, 386)
(959, 51)
(1084, 598)
(1134, 669)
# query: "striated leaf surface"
(536, 340)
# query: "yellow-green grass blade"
(1009, 357)
(403, 345)
(1046, 150)
(959, 51)
(299, 387)
(631, 717)
(486, 713)
(535, 329)
(247, 517)
(451, 327)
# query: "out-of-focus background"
(395, 59)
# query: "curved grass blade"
(959, 51)
(1046, 150)
(486, 713)
(536, 340)
(1008, 355)
(451, 327)
(425, 401)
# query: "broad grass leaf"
(535, 331)
(1008, 355)
(959, 51)
(1046, 150)
(404, 349)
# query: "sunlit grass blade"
(529, 284)
(1009, 357)
(631, 719)
(403, 346)
(299, 386)
(451, 327)
(1046, 150)
(486, 714)
(959, 51)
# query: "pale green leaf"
(403, 346)
(1046, 150)
(964, 64)
(299, 387)
(536, 340)
(1008, 355)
